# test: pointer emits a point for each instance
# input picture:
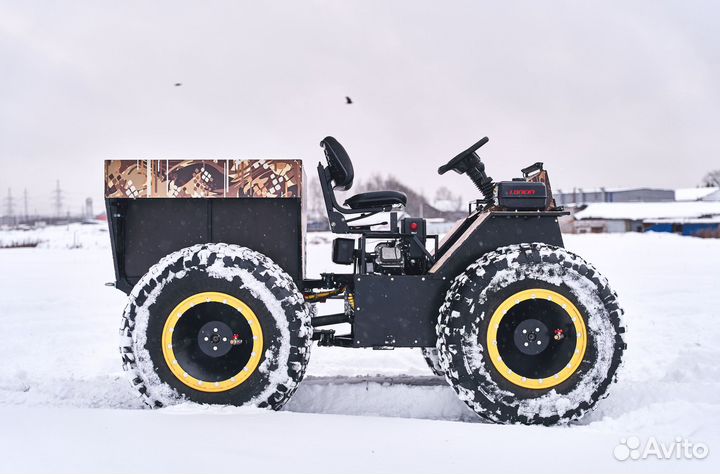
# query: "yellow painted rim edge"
(203, 385)
(580, 345)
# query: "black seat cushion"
(341, 168)
(376, 199)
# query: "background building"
(696, 218)
(580, 196)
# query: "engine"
(388, 258)
(405, 255)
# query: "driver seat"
(339, 174)
(376, 199)
(342, 173)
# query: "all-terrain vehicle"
(212, 255)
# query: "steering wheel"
(462, 162)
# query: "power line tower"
(58, 198)
(9, 207)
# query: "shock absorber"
(482, 181)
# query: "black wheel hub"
(525, 339)
(218, 323)
(214, 338)
(531, 337)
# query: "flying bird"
(348, 100)
(178, 84)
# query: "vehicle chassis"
(386, 310)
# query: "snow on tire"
(430, 354)
(216, 323)
(530, 334)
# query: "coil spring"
(484, 183)
(487, 189)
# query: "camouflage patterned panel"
(268, 178)
(203, 178)
(126, 178)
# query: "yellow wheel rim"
(205, 385)
(577, 355)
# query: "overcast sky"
(605, 93)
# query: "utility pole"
(25, 205)
(58, 198)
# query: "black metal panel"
(499, 230)
(398, 311)
(402, 310)
(270, 226)
(145, 230)
(157, 227)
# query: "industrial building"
(580, 196)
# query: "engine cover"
(522, 195)
(389, 258)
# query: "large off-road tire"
(430, 354)
(216, 323)
(530, 334)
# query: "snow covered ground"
(65, 405)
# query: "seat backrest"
(341, 168)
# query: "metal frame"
(402, 310)
(386, 310)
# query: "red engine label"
(521, 192)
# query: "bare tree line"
(712, 179)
